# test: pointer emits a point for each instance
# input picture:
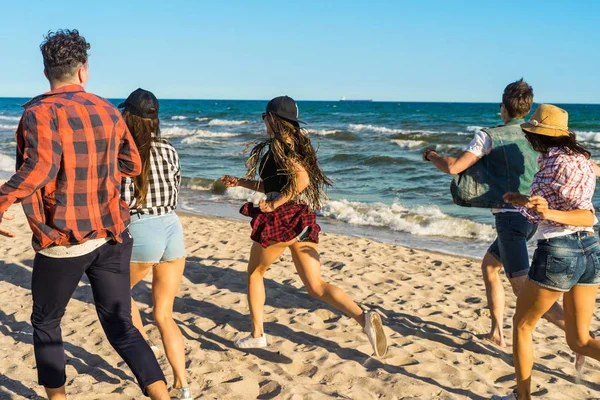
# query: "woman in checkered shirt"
(567, 259)
(156, 229)
(293, 182)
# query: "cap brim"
(538, 130)
(122, 105)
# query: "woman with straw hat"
(567, 258)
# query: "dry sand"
(433, 307)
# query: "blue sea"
(382, 189)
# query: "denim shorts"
(510, 247)
(156, 238)
(563, 262)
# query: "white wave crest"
(179, 117)
(240, 193)
(421, 221)
(6, 127)
(323, 132)
(9, 118)
(202, 119)
(7, 163)
(198, 140)
(409, 144)
(373, 128)
(388, 131)
(176, 131)
(225, 122)
(588, 136)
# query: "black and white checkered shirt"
(163, 184)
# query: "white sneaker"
(374, 331)
(183, 393)
(250, 342)
(512, 396)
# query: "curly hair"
(144, 132)
(63, 51)
(289, 145)
(518, 98)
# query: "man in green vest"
(495, 160)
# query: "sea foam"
(421, 220)
(225, 122)
(9, 118)
(7, 163)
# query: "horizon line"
(336, 101)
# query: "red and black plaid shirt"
(72, 149)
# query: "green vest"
(509, 167)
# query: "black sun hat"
(142, 103)
(284, 107)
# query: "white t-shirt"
(482, 145)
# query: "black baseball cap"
(284, 107)
(142, 103)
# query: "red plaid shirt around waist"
(567, 181)
(72, 150)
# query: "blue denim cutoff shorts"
(510, 247)
(156, 238)
(562, 262)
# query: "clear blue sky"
(384, 50)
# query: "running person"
(294, 184)
(567, 259)
(72, 150)
(156, 229)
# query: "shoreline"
(433, 306)
(196, 214)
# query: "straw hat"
(548, 120)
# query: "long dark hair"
(542, 143)
(144, 132)
(290, 144)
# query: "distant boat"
(355, 100)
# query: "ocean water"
(382, 189)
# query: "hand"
(515, 199)
(266, 206)
(230, 181)
(539, 205)
(427, 151)
(4, 232)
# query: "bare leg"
(555, 314)
(580, 303)
(56, 394)
(138, 271)
(494, 290)
(260, 260)
(532, 303)
(166, 279)
(308, 264)
(158, 391)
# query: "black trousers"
(53, 282)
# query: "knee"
(46, 320)
(257, 272)
(523, 326)
(162, 317)
(316, 290)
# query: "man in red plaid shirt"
(72, 150)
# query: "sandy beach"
(433, 307)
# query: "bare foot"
(497, 339)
